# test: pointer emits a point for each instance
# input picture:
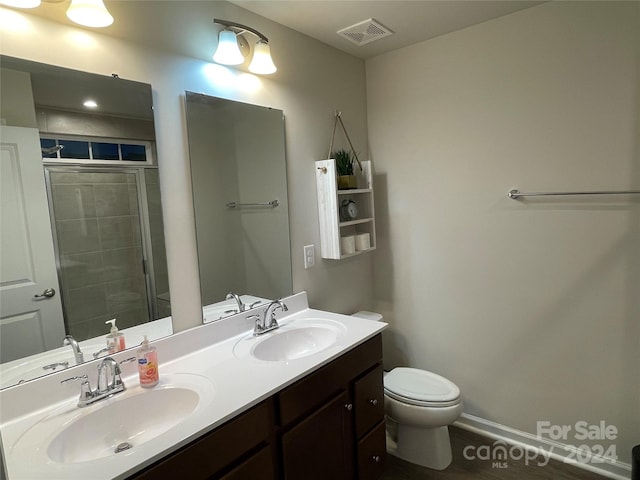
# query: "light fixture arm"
(228, 23)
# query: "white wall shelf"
(329, 200)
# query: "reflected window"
(74, 149)
(100, 151)
(104, 151)
(134, 153)
(48, 148)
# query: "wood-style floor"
(463, 469)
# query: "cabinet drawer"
(257, 467)
(307, 394)
(216, 450)
(368, 394)
(372, 453)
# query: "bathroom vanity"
(329, 424)
(229, 406)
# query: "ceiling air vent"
(365, 32)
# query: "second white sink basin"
(298, 339)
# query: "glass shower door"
(100, 245)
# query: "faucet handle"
(53, 366)
(100, 352)
(85, 386)
(84, 378)
(255, 304)
(257, 324)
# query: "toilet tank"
(376, 317)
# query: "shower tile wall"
(99, 242)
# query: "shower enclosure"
(104, 220)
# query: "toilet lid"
(419, 387)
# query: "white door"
(29, 323)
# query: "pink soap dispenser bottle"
(115, 339)
(147, 364)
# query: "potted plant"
(344, 169)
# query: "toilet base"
(427, 447)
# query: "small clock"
(348, 210)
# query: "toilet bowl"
(419, 406)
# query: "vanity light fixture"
(90, 13)
(231, 44)
(20, 3)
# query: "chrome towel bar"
(516, 194)
(271, 204)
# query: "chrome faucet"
(241, 306)
(104, 386)
(77, 353)
(109, 382)
(269, 321)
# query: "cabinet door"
(258, 467)
(321, 446)
(372, 454)
(368, 401)
(215, 451)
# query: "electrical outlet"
(309, 256)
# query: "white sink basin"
(117, 425)
(126, 422)
(298, 339)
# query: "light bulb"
(20, 3)
(262, 62)
(228, 52)
(90, 13)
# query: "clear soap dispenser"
(115, 339)
(147, 364)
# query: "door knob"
(48, 293)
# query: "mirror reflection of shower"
(108, 265)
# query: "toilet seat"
(420, 388)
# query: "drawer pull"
(376, 458)
(373, 402)
(349, 406)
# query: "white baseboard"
(558, 451)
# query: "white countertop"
(238, 382)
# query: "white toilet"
(419, 406)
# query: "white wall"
(305, 88)
(531, 307)
(16, 98)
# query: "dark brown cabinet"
(318, 447)
(215, 453)
(328, 425)
(345, 396)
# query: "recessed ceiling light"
(90, 104)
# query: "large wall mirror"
(81, 235)
(238, 172)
